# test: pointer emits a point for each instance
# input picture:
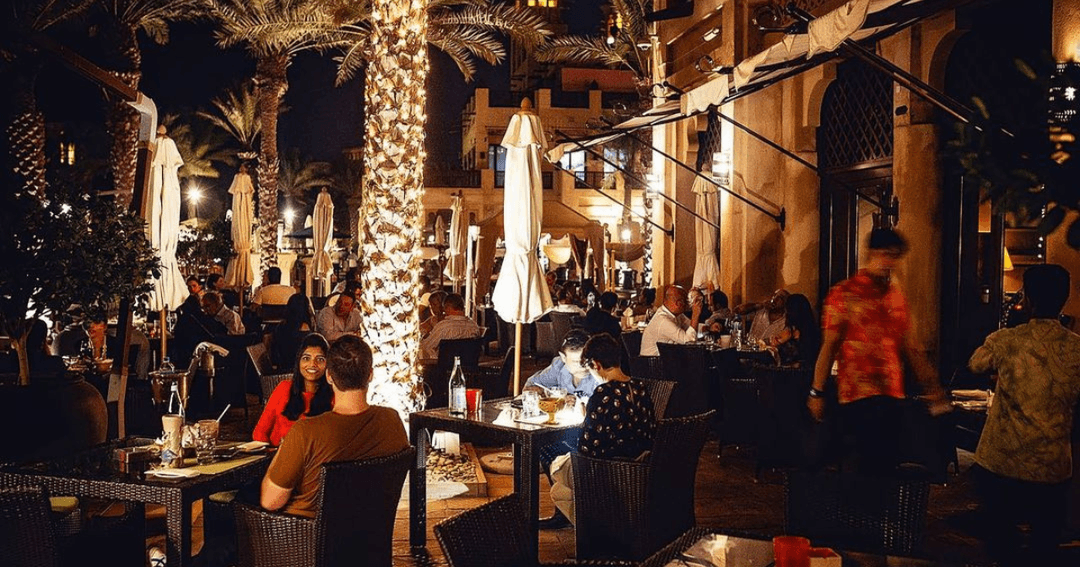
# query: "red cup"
(791, 551)
(474, 398)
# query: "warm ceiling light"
(711, 34)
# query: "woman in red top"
(306, 395)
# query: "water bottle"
(167, 365)
(457, 389)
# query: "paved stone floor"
(728, 496)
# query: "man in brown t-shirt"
(353, 430)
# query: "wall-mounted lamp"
(711, 34)
(721, 167)
(1006, 263)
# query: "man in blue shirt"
(566, 370)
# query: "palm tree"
(388, 38)
(619, 50)
(22, 125)
(238, 116)
(272, 58)
(301, 178)
(122, 20)
(347, 182)
(203, 149)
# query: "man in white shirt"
(340, 318)
(455, 325)
(273, 292)
(670, 324)
(214, 306)
(768, 319)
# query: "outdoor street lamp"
(194, 195)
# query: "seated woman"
(619, 422)
(799, 342)
(298, 323)
(306, 395)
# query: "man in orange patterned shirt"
(866, 324)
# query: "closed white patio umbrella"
(459, 235)
(239, 273)
(163, 223)
(706, 268)
(322, 229)
(521, 294)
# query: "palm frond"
(237, 115)
(459, 54)
(478, 42)
(519, 24)
(581, 50)
(351, 61)
(632, 13)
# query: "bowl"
(103, 365)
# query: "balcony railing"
(452, 178)
(587, 179)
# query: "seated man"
(272, 292)
(339, 319)
(353, 430)
(566, 370)
(565, 303)
(455, 325)
(214, 306)
(599, 318)
(216, 282)
(766, 319)
(669, 324)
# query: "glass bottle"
(457, 389)
(167, 365)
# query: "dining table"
(704, 547)
(97, 473)
(497, 420)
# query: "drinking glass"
(530, 403)
(551, 406)
(206, 433)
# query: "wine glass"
(551, 406)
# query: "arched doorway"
(982, 64)
(855, 148)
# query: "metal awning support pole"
(780, 217)
(635, 177)
(798, 159)
(668, 231)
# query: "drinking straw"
(227, 406)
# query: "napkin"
(252, 446)
(173, 473)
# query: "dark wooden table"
(752, 552)
(527, 440)
(94, 474)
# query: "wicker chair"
(493, 535)
(660, 393)
(783, 420)
(546, 345)
(260, 357)
(438, 378)
(27, 535)
(685, 365)
(874, 514)
(354, 526)
(628, 510)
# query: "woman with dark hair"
(299, 322)
(306, 395)
(619, 423)
(798, 344)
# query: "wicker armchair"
(260, 358)
(783, 420)
(629, 510)
(685, 365)
(493, 535)
(355, 524)
(874, 514)
(27, 535)
(269, 382)
(660, 393)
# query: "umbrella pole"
(164, 331)
(517, 358)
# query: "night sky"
(189, 71)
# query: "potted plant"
(72, 248)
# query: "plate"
(253, 446)
(970, 394)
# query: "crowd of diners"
(860, 345)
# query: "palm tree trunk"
(122, 121)
(391, 212)
(24, 132)
(270, 87)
